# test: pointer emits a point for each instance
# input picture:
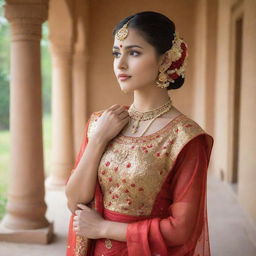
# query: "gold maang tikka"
(122, 33)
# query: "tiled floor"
(229, 228)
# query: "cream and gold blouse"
(132, 170)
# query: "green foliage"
(4, 168)
(4, 70)
(4, 101)
(46, 70)
(3, 202)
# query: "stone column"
(62, 132)
(80, 71)
(79, 98)
(247, 142)
(25, 217)
(200, 63)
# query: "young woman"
(138, 187)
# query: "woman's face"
(136, 60)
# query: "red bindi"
(121, 45)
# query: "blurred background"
(56, 69)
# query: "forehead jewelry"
(122, 33)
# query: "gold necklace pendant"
(148, 115)
(135, 126)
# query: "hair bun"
(177, 83)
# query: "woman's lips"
(123, 78)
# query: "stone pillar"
(80, 74)
(60, 22)
(247, 142)
(79, 98)
(200, 63)
(25, 217)
(62, 132)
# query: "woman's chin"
(125, 89)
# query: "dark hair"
(158, 30)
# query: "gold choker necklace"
(148, 115)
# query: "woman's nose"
(122, 63)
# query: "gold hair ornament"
(175, 67)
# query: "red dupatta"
(185, 231)
(187, 212)
(78, 245)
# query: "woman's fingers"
(120, 110)
(113, 107)
(123, 115)
(78, 212)
(83, 207)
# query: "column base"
(32, 236)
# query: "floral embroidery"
(128, 165)
(81, 245)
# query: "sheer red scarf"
(77, 245)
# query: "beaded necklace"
(148, 115)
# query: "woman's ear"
(164, 60)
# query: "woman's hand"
(111, 122)
(88, 222)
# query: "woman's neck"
(146, 101)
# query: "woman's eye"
(115, 54)
(134, 53)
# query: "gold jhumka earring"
(162, 80)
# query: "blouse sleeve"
(182, 228)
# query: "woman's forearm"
(81, 185)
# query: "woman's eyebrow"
(128, 47)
